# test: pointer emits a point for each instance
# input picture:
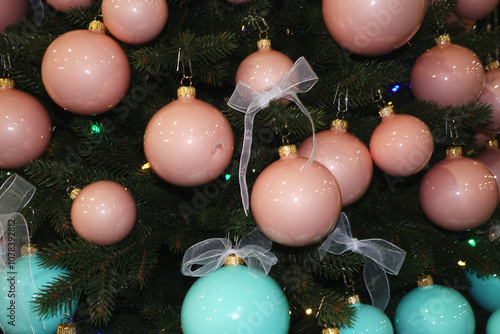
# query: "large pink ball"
(490, 157)
(104, 212)
(373, 27)
(296, 206)
(25, 128)
(188, 142)
(12, 12)
(401, 145)
(458, 193)
(135, 21)
(475, 9)
(491, 95)
(263, 68)
(346, 157)
(85, 72)
(64, 5)
(449, 74)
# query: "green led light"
(228, 176)
(96, 128)
(472, 242)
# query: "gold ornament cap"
(6, 83)
(29, 249)
(386, 111)
(66, 328)
(492, 65)
(287, 150)
(330, 331)
(425, 281)
(454, 152)
(443, 39)
(233, 260)
(354, 299)
(264, 43)
(97, 26)
(186, 91)
(339, 124)
(492, 143)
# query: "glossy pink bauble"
(401, 145)
(12, 12)
(135, 21)
(490, 157)
(346, 157)
(85, 72)
(104, 212)
(296, 206)
(188, 142)
(373, 27)
(263, 68)
(453, 19)
(458, 193)
(449, 74)
(64, 5)
(25, 128)
(491, 95)
(475, 9)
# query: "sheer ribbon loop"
(209, 255)
(384, 258)
(39, 11)
(299, 79)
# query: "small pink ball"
(296, 206)
(458, 193)
(135, 21)
(375, 27)
(491, 95)
(25, 128)
(401, 145)
(490, 157)
(64, 5)
(85, 72)
(188, 142)
(13, 12)
(263, 68)
(104, 213)
(346, 157)
(475, 9)
(449, 74)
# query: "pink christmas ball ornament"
(263, 68)
(25, 127)
(490, 157)
(64, 5)
(135, 21)
(104, 213)
(373, 27)
(188, 142)
(86, 72)
(449, 74)
(295, 206)
(401, 145)
(475, 9)
(345, 156)
(458, 193)
(491, 96)
(12, 12)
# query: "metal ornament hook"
(451, 130)
(256, 20)
(181, 63)
(6, 66)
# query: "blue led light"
(395, 88)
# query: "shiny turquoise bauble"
(435, 309)
(493, 325)
(17, 292)
(369, 320)
(232, 301)
(485, 291)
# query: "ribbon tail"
(245, 158)
(39, 11)
(302, 108)
(377, 285)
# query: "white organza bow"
(212, 253)
(39, 11)
(300, 79)
(384, 256)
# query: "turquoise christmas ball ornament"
(17, 292)
(369, 319)
(493, 325)
(230, 300)
(485, 291)
(433, 309)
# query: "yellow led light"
(309, 311)
(461, 263)
(146, 166)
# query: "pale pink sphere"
(104, 213)
(64, 5)
(458, 193)
(449, 74)
(475, 9)
(373, 27)
(490, 157)
(453, 18)
(135, 21)
(263, 68)
(346, 157)
(188, 142)
(85, 72)
(296, 206)
(491, 95)
(25, 128)
(12, 12)
(401, 145)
